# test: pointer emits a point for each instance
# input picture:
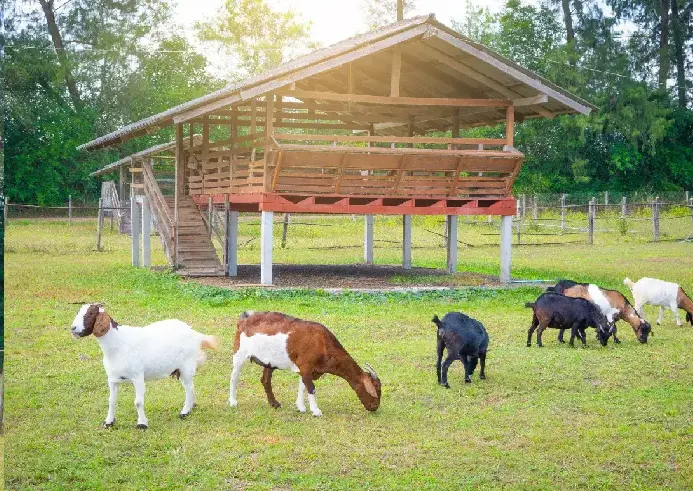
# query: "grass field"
(615, 417)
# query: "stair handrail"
(160, 208)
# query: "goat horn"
(371, 371)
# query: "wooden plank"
(509, 125)
(391, 139)
(345, 157)
(410, 151)
(531, 101)
(395, 72)
(277, 169)
(402, 101)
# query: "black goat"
(466, 340)
(560, 312)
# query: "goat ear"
(368, 384)
(101, 325)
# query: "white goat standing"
(136, 354)
(651, 291)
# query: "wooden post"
(518, 226)
(99, 224)
(535, 209)
(655, 219)
(524, 206)
(690, 203)
(285, 229)
(232, 244)
(406, 241)
(266, 226)
(269, 120)
(225, 253)
(452, 244)
(506, 241)
(510, 126)
(624, 207)
(688, 196)
(396, 70)
(122, 181)
(146, 233)
(411, 130)
(5, 210)
(563, 211)
(400, 10)
(368, 240)
(210, 216)
(179, 187)
(69, 208)
(591, 215)
(135, 226)
(606, 200)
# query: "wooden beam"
(391, 139)
(395, 72)
(402, 101)
(413, 151)
(531, 101)
(509, 125)
(179, 188)
(253, 115)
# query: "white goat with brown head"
(274, 340)
(136, 354)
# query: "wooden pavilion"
(346, 129)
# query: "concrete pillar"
(368, 240)
(146, 233)
(506, 238)
(406, 241)
(135, 226)
(451, 244)
(267, 221)
(232, 245)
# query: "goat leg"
(446, 365)
(266, 380)
(482, 363)
(560, 336)
(439, 353)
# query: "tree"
(258, 37)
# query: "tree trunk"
(47, 6)
(663, 43)
(679, 54)
(568, 18)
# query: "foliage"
(383, 12)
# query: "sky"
(332, 20)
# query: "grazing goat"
(651, 291)
(132, 354)
(613, 304)
(274, 340)
(466, 340)
(561, 312)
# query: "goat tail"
(210, 342)
(437, 321)
(629, 283)
(530, 305)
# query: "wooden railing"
(160, 208)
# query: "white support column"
(146, 233)
(506, 238)
(368, 240)
(232, 245)
(452, 244)
(406, 241)
(266, 247)
(135, 230)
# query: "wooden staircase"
(196, 253)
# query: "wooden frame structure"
(361, 127)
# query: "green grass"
(546, 418)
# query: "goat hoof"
(184, 415)
(561, 341)
(275, 404)
(529, 345)
(106, 425)
(482, 376)
(447, 386)
(467, 381)
(317, 413)
(617, 341)
(141, 426)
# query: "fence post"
(688, 196)
(524, 206)
(606, 200)
(69, 208)
(591, 215)
(285, 229)
(624, 207)
(655, 219)
(563, 212)
(535, 209)
(691, 205)
(99, 224)
(518, 221)
(5, 210)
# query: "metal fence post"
(591, 215)
(563, 211)
(655, 219)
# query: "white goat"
(132, 354)
(651, 291)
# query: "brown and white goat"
(274, 340)
(613, 304)
(651, 291)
